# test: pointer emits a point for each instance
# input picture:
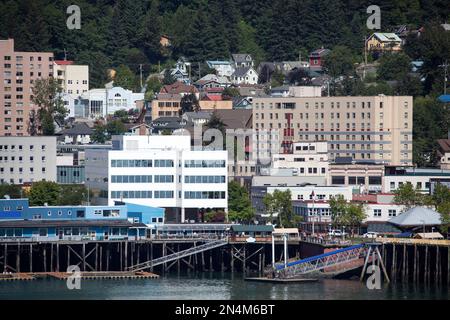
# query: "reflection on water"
(207, 286)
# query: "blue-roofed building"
(123, 221)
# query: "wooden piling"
(18, 258)
(436, 271)
(126, 255)
(404, 263)
(426, 265)
(45, 259)
(393, 271)
(5, 258)
(51, 257)
(107, 257)
(84, 256)
(232, 259)
(415, 264)
(96, 256)
(101, 258)
(57, 257)
(68, 256)
(31, 257)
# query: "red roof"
(178, 87)
(213, 97)
(63, 62)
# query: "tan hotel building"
(18, 71)
(374, 129)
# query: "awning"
(429, 235)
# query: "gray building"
(27, 159)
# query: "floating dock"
(279, 280)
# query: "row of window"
(373, 180)
(204, 179)
(131, 179)
(11, 170)
(141, 163)
(19, 147)
(204, 194)
(391, 212)
(20, 58)
(204, 164)
(131, 194)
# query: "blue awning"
(445, 98)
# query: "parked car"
(370, 235)
(337, 233)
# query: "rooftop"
(417, 216)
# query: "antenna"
(65, 54)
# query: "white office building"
(106, 101)
(160, 171)
(27, 159)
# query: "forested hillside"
(116, 32)
(124, 34)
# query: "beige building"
(374, 129)
(362, 176)
(18, 71)
(74, 79)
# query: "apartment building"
(18, 71)
(161, 171)
(74, 79)
(374, 129)
(27, 159)
(307, 159)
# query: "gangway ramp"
(178, 255)
(320, 262)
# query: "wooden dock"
(84, 275)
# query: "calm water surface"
(208, 286)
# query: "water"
(212, 286)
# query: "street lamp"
(343, 232)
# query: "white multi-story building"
(161, 171)
(378, 209)
(394, 177)
(27, 159)
(308, 159)
(102, 102)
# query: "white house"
(244, 75)
(223, 68)
(161, 171)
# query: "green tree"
(11, 190)
(125, 78)
(100, 134)
(394, 66)
(239, 205)
(189, 103)
(279, 203)
(115, 127)
(230, 93)
(168, 77)
(153, 86)
(215, 122)
(408, 196)
(47, 97)
(73, 195)
(247, 41)
(339, 62)
(152, 32)
(345, 213)
(44, 192)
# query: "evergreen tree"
(151, 32)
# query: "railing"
(316, 263)
(414, 241)
(71, 238)
(178, 255)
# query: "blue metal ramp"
(316, 263)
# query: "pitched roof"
(320, 52)
(235, 118)
(78, 129)
(63, 62)
(177, 88)
(417, 216)
(444, 145)
(240, 57)
(240, 72)
(387, 37)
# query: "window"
(377, 212)
(392, 212)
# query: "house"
(245, 75)
(80, 133)
(254, 231)
(212, 81)
(164, 41)
(242, 60)
(180, 72)
(141, 129)
(242, 103)
(382, 42)
(223, 68)
(166, 125)
(316, 58)
(417, 219)
(180, 88)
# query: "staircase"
(178, 255)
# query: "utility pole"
(140, 69)
(445, 66)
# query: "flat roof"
(68, 223)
